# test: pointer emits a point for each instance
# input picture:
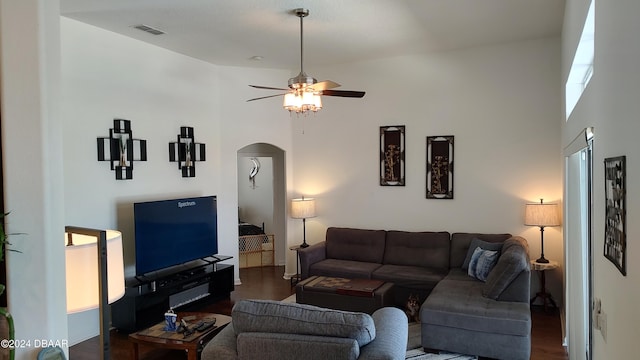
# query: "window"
(582, 66)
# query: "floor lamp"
(542, 215)
(94, 257)
(303, 209)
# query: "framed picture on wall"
(392, 155)
(615, 234)
(440, 167)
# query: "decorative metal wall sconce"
(121, 149)
(186, 152)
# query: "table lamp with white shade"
(541, 215)
(303, 209)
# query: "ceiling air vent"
(149, 29)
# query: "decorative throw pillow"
(475, 243)
(482, 262)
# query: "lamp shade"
(290, 101)
(541, 214)
(82, 265)
(303, 208)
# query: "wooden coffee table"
(155, 337)
(362, 295)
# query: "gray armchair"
(263, 329)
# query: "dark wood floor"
(268, 283)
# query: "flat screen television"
(173, 232)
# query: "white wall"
(32, 172)
(501, 103)
(610, 104)
(107, 76)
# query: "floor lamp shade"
(82, 266)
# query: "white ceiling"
(230, 32)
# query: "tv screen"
(173, 232)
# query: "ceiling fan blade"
(267, 87)
(324, 85)
(344, 93)
(266, 97)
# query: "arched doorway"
(262, 193)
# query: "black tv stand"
(181, 288)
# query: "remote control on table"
(206, 325)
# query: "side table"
(156, 337)
(541, 268)
(296, 278)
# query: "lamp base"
(542, 260)
(304, 245)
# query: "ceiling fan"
(304, 92)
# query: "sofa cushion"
(513, 260)
(413, 277)
(519, 289)
(278, 317)
(477, 243)
(460, 304)
(460, 244)
(343, 268)
(482, 262)
(459, 275)
(418, 249)
(355, 244)
(275, 346)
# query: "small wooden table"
(193, 344)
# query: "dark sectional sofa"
(459, 313)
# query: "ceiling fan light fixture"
(305, 91)
(302, 102)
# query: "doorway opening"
(578, 246)
(261, 205)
